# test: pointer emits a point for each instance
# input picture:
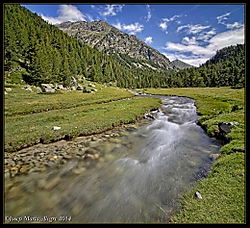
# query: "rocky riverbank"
(40, 157)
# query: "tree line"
(37, 52)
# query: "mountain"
(178, 64)
(124, 48)
(36, 52)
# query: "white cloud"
(234, 25)
(171, 18)
(222, 18)
(191, 52)
(187, 41)
(192, 29)
(192, 60)
(89, 17)
(149, 40)
(164, 24)
(118, 25)
(206, 35)
(148, 13)
(132, 29)
(108, 10)
(194, 49)
(201, 32)
(65, 13)
(226, 39)
(171, 57)
(195, 61)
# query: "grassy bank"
(30, 116)
(223, 191)
(20, 102)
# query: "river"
(140, 178)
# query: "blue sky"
(189, 32)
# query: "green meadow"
(30, 116)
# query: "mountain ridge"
(108, 39)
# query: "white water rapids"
(140, 181)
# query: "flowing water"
(140, 179)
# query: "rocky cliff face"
(126, 48)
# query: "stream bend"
(139, 177)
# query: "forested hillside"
(36, 52)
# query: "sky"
(191, 33)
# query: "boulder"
(86, 90)
(48, 88)
(79, 87)
(73, 81)
(223, 129)
(60, 87)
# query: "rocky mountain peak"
(108, 39)
(178, 64)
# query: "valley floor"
(32, 117)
